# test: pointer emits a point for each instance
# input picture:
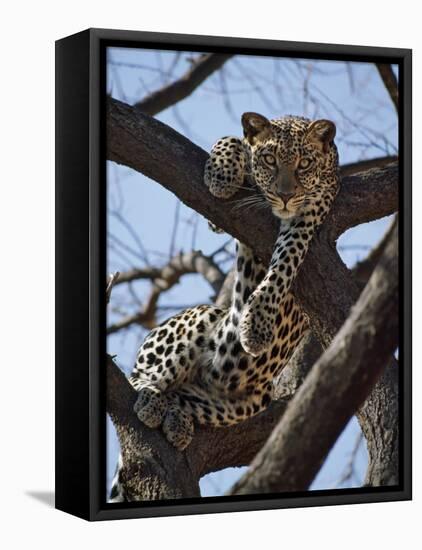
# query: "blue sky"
(352, 95)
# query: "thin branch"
(110, 283)
(126, 247)
(132, 233)
(136, 274)
(181, 264)
(390, 82)
(349, 471)
(175, 228)
(201, 69)
(164, 279)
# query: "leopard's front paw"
(255, 332)
(178, 427)
(225, 167)
(150, 406)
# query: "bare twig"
(390, 82)
(110, 283)
(175, 228)
(349, 471)
(132, 232)
(169, 95)
(163, 279)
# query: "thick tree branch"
(201, 69)
(326, 280)
(151, 466)
(211, 449)
(159, 152)
(379, 421)
(145, 451)
(337, 385)
(363, 165)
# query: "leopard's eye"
(304, 163)
(269, 159)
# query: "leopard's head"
(293, 162)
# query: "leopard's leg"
(228, 364)
(224, 175)
(249, 272)
(168, 358)
(151, 405)
(178, 425)
(234, 385)
(262, 308)
(192, 403)
(225, 168)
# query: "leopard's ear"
(321, 133)
(255, 127)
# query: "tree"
(357, 372)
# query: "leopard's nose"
(286, 196)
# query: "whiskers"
(298, 202)
(276, 203)
(247, 203)
(243, 187)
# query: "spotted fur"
(216, 366)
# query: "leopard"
(216, 366)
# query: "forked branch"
(337, 385)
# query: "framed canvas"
(233, 274)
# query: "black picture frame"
(80, 268)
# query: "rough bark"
(337, 385)
(154, 469)
(330, 282)
(162, 154)
(151, 467)
(363, 165)
(378, 419)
